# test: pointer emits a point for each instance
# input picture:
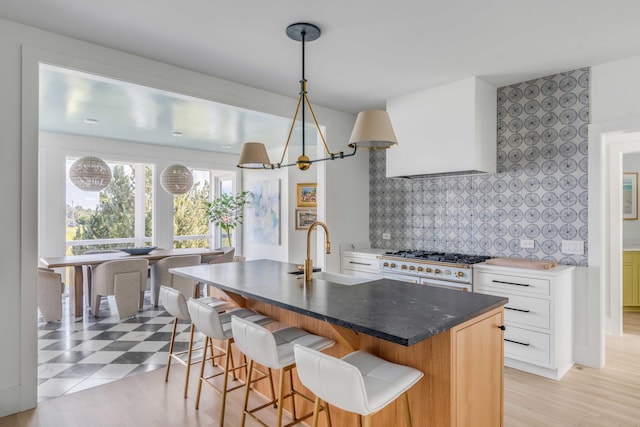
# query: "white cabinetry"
(361, 262)
(538, 317)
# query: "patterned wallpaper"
(539, 192)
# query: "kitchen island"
(453, 337)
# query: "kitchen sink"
(342, 279)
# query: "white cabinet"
(361, 262)
(538, 317)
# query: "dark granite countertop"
(400, 312)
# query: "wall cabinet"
(538, 317)
(361, 263)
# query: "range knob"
(460, 274)
(404, 267)
(411, 268)
(420, 268)
(437, 271)
(428, 270)
(386, 264)
(447, 272)
(392, 265)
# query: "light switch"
(572, 247)
(386, 236)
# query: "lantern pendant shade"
(176, 179)
(90, 174)
(373, 130)
(254, 156)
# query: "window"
(190, 225)
(121, 215)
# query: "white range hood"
(447, 130)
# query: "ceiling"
(369, 51)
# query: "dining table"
(79, 261)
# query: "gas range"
(451, 270)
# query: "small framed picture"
(305, 217)
(307, 195)
(630, 195)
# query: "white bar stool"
(275, 351)
(217, 326)
(359, 382)
(175, 304)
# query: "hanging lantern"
(176, 179)
(90, 173)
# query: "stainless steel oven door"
(464, 287)
(401, 277)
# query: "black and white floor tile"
(74, 355)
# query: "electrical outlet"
(572, 247)
(527, 244)
(386, 236)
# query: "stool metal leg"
(280, 397)
(173, 340)
(186, 380)
(293, 395)
(316, 412)
(246, 392)
(226, 381)
(201, 379)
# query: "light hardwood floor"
(584, 397)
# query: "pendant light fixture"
(176, 178)
(372, 129)
(90, 173)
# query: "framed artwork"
(305, 217)
(307, 195)
(630, 195)
(262, 219)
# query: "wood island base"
(462, 383)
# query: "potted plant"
(226, 211)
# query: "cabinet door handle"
(518, 342)
(359, 263)
(517, 309)
(510, 283)
(502, 327)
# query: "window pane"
(108, 216)
(190, 225)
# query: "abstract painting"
(262, 223)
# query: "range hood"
(446, 130)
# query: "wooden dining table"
(78, 261)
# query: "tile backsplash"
(539, 192)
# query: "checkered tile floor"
(76, 355)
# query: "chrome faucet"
(308, 263)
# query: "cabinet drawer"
(360, 264)
(527, 346)
(526, 311)
(510, 283)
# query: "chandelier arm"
(333, 156)
(324, 141)
(293, 122)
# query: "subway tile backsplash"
(539, 192)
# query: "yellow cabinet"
(631, 280)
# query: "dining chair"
(226, 256)
(87, 270)
(50, 290)
(125, 279)
(160, 276)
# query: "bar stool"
(175, 304)
(359, 382)
(275, 351)
(216, 326)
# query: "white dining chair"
(126, 279)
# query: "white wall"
(614, 110)
(631, 227)
(21, 50)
